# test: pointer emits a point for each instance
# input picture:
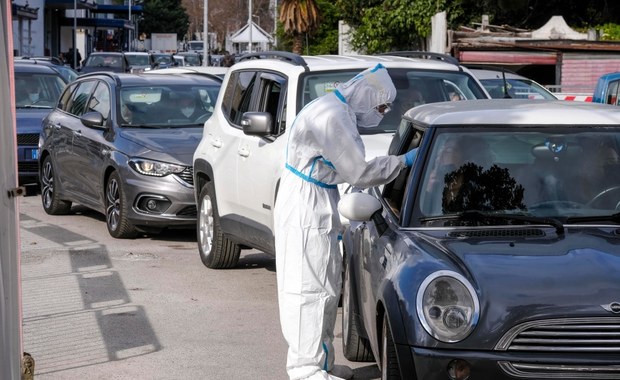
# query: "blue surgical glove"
(409, 157)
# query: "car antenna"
(506, 95)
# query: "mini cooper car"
(497, 255)
(122, 145)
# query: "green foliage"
(164, 16)
(609, 32)
(324, 40)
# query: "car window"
(77, 104)
(40, 89)
(100, 101)
(612, 93)
(516, 89)
(413, 87)
(272, 99)
(558, 173)
(237, 95)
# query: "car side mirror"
(93, 119)
(358, 206)
(257, 124)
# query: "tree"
(164, 16)
(298, 18)
(385, 25)
(325, 39)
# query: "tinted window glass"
(77, 104)
(238, 94)
(100, 101)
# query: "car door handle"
(77, 133)
(217, 143)
(55, 127)
(243, 151)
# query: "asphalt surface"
(95, 307)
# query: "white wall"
(33, 44)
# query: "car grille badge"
(613, 307)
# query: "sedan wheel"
(116, 209)
(216, 250)
(389, 360)
(49, 197)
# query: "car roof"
(29, 67)
(357, 62)
(147, 79)
(516, 112)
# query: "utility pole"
(205, 34)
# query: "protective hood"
(369, 89)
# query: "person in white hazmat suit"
(324, 149)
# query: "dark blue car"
(497, 255)
(37, 89)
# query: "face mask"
(34, 97)
(187, 111)
(370, 119)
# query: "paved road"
(95, 307)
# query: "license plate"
(32, 153)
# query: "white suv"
(238, 162)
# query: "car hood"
(174, 142)
(28, 120)
(527, 279)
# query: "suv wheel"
(116, 209)
(216, 250)
(51, 204)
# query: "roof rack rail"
(425, 55)
(274, 54)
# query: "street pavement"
(95, 307)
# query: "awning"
(98, 23)
(243, 35)
(118, 9)
(70, 4)
(508, 57)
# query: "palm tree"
(298, 18)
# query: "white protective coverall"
(324, 149)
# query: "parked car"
(607, 89)
(138, 61)
(162, 60)
(55, 63)
(505, 84)
(37, 89)
(188, 59)
(122, 145)
(115, 62)
(243, 144)
(496, 255)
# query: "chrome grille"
(584, 337)
(507, 232)
(187, 175)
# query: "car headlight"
(447, 306)
(154, 168)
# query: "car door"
(258, 158)
(90, 148)
(65, 124)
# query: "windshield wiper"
(482, 215)
(594, 218)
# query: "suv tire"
(216, 250)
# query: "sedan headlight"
(447, 306)
(154, 168)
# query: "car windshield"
(137, 59)
(414, 87)
(37, 90)
(166, 106)
(516, 89)
(483, 176)
(102, 60)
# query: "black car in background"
(122, 145)
(115, 62)
(37, 89)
